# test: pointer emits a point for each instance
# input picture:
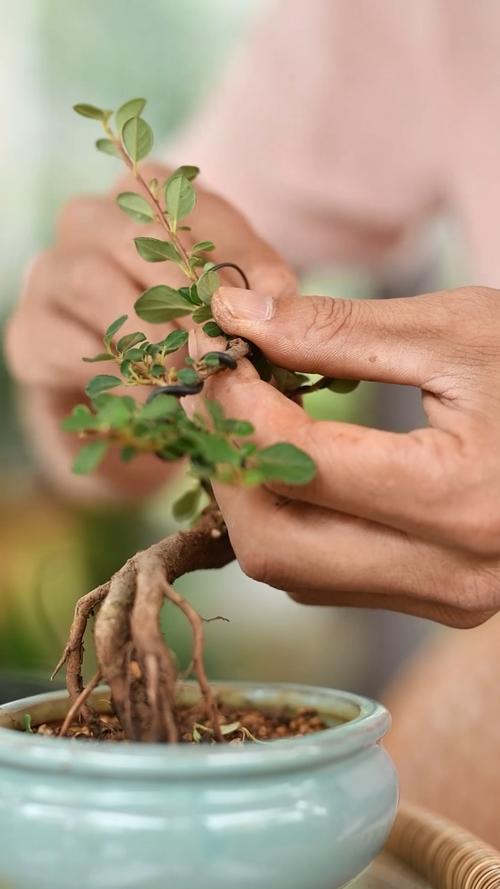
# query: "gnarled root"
(132, 656)
(73, 653)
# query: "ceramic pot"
(306, 812)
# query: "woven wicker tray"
(428, 852)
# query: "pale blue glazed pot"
(306, 813)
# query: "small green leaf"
(107, 146)
(132, 108)
(252, 477)
(135, 206)
(91, 111)
(247, 449)
(115, 414)
(192, 294)
(103, 356)
(188, 376)
(89, 457)
(137, 137)
(217, 449)
(203, 247)
(238, 427)
(104, 397)
(180, 198)
(186, 506)
(27, 723)
(113, 328)
(343, 387)
(126, 367)
(216, 412)
(175, 341)
(154, 250)
(206, 286)
(101, 383)
(134, 354)
(211, 359)
(204, 313)
(129, 340)
(161, 303)
(284, 462)
(158, 370)
(186, 170)
(160, 407)
(212, 329)
(80, 419)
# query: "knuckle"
(458, 489)
(254, 564)
(273, 276)
(255, 561)
(461, 619)
(478, 528)
(478, 293)
(83, 268)
(78, 211)
(479, 593)
(329, 318)
(300, 598)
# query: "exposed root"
(80, 701)
(131, 652)
(111, 635)
(83, 609)
(198, 666)
(153, 655)
(72, 655)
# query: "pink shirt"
(345, 124)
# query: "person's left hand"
(409, 522)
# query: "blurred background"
(53, 54)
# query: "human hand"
(93, 272)
(409, 522)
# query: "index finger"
(421, 482)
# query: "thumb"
(397, 340)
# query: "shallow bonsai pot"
(303, 813)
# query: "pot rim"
(27, 752)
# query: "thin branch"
(189, 272)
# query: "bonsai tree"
(132, 655)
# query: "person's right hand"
(91, 276)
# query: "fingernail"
(246, 305)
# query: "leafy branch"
(213, 446)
